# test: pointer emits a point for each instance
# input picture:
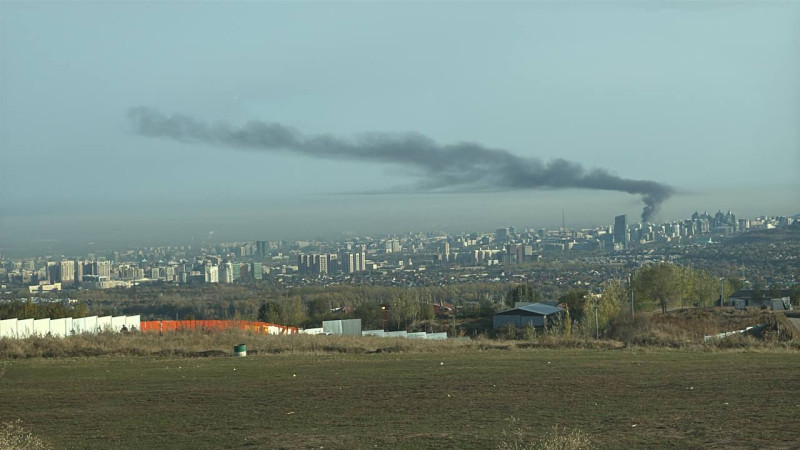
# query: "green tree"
(575, 301)
(609, 304)
(371, 315)
(319, 308)
(656, 285)
(270, 312)
(294, 312)
(521, 293)
(794, 294)
(426, 312)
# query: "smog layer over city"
(454, 198)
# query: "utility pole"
(596, 320)
(454, 317)
(630, 285)
(721, 290)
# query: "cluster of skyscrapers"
(321, 264)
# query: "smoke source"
(460, 167)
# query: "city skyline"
(701, 98)
(618, 229)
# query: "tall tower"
(621, 230)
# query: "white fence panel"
(88, 325)
(58, 328)
(104, 323)
(379, 333)
(437, 336)
(84, 325)
(24, 328)
(8, 328)
(418, 335)
(133, 322)
(78, 325)
(311, 331)
(41, 327)
(117, 323)
(397, 334)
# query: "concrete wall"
(41, 327)
(104, 323)
(60, 327)
(117, 323)
(8, 328)
(23, 328)
(397, 334)
(311, 331)
(133, 322)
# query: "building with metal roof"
(536, 314)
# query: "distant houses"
(751, 298)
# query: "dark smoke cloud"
(455, 167)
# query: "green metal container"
(240, 350)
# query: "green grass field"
(619, 398)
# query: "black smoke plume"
(454, 167)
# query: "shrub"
(556, 438)
(14, 437)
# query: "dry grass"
(14, 437)
(677, 329)
(195, 343)
(687, 329)
(519, 437)
(618, 399)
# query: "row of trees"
(666, 286)
(661, 286)
(30, 310)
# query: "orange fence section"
(256, 327)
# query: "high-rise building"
(226, 272)
(621, 230)
(502, 234)
(78, 271)
(211, 273)
(67, 271)
(348, 262)
(333, 263)
(102, 269)
(262, 248)
(237, 270)
(515, 253)
(257, 271)
(53, 272)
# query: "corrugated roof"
(536, 308)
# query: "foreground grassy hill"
(429, 399)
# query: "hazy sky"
(701, 96)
